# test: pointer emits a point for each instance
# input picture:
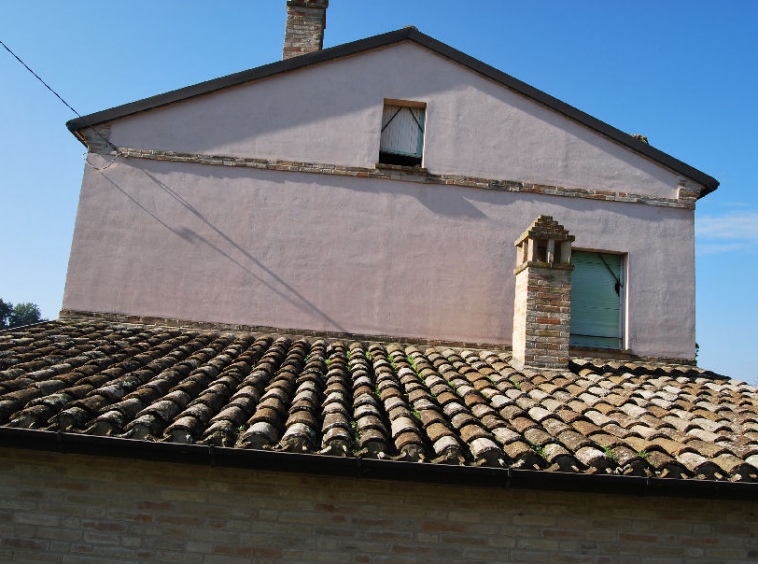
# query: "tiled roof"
(351, 398)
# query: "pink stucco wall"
(331, 113)
(367, 256)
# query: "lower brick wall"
(74, 508)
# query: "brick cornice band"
(408, 174)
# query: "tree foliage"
(18, 315)
(6, 308)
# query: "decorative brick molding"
(688, 191)
(406, 174)
(306, 21)
(542, 309)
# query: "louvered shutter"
(402, 131)
(595, 304)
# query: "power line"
(38, 78)
(111, 145)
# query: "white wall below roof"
(331, 113)
(320, 252)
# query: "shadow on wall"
(275, 283)
(342, 99)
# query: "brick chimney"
(542, 309)
(306, 22)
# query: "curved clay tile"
(483, 448)
(444, 405)
(233, 364)
(80, 413)
(267, 424)
(369, 419)
(304, 421)
(336, 430)
(402, 393)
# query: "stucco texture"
(366, 256)
(331, 113)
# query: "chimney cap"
(310, 3)
(545, 227)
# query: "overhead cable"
(111, 145)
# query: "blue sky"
(684, 73)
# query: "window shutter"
(402, 130)
(595, 305)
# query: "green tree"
(6, 308)
(18, 315)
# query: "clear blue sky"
(684, 73)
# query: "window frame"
(582, 340)
(403, 158)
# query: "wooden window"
(402, 139)
(597, 287)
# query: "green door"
(596, 288)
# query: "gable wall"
(331, 113)
(342, 253)
(359, 255)
(74, 508)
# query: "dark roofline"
(383, 40)
(361, 468)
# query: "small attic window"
(402, 141)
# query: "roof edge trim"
(409, 33)
(71, 443)
(235, 79)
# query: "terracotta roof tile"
(377, 400)
(607, 441)
(568, 416)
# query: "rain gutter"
(362, 468)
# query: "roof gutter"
(361, 468)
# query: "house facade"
(375, 188)
(272, 343)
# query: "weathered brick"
(383, 522)
(44, 520)
(442, 526)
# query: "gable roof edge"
(569, 111)
(235, 79)
(412, 34)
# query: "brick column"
(306, 21)
(542, 309)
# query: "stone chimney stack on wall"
(542, 309)
(306, 22)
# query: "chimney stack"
(542, 309)
(306, 21)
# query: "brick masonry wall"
(542, 317)
(73, 508)
(520, 311)
(306, 20)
